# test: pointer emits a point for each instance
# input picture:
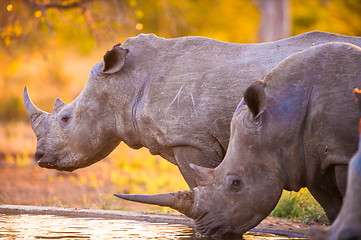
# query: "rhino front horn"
(32, 111)
(181, 201)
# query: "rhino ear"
(58, 105)
(204, 176)
(114, 59)
(255, 98)
(357, 93)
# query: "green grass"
(301, 206)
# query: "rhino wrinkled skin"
(175, 97)
(295, 129)
(347, 225)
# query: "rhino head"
(239, 193)
(80, 133)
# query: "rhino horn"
(181, 201)
(58, 105)
(204, 176)
(33, 112)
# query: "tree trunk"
(275, 20)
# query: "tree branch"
(35, 5)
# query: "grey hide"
(175, 97)
(347, 225)
(297, 128)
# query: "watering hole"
(25, 226)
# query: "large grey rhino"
(175, 97)
(347, 225)
(295, 129)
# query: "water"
(58, 227)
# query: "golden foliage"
(136, 171)
(51, 50)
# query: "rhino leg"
(329, 199)
(187, 155)
(341, 177)
(319, 234)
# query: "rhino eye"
(65, 118)
(235, 183)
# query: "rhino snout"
(219, 232)
(39, 154)
(45, 163)
(42, 161)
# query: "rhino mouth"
(50, 162)
(212, 228)
(51, 166)
(222, 232)
(44, 161)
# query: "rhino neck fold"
(293, 102)
(290, 129)
(122, 97)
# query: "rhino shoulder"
(317, 37)
(323, 37)
(320, 36)
(143, 37)
(151, 41)
(334, 52)
(142, 40)
(339, 51)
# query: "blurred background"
(51, 45)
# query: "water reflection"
(58, 227)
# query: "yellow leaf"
(9, 7)
(139, 26)
(38, 13)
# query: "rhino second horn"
(181, 201)
(204, 176)
(58, 105)
(32, 111)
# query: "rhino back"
(333, 112)
(316, 107)
(189, 87)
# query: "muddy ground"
(88, 188)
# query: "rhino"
(175, 97)
(347, 225)
(294, 129)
